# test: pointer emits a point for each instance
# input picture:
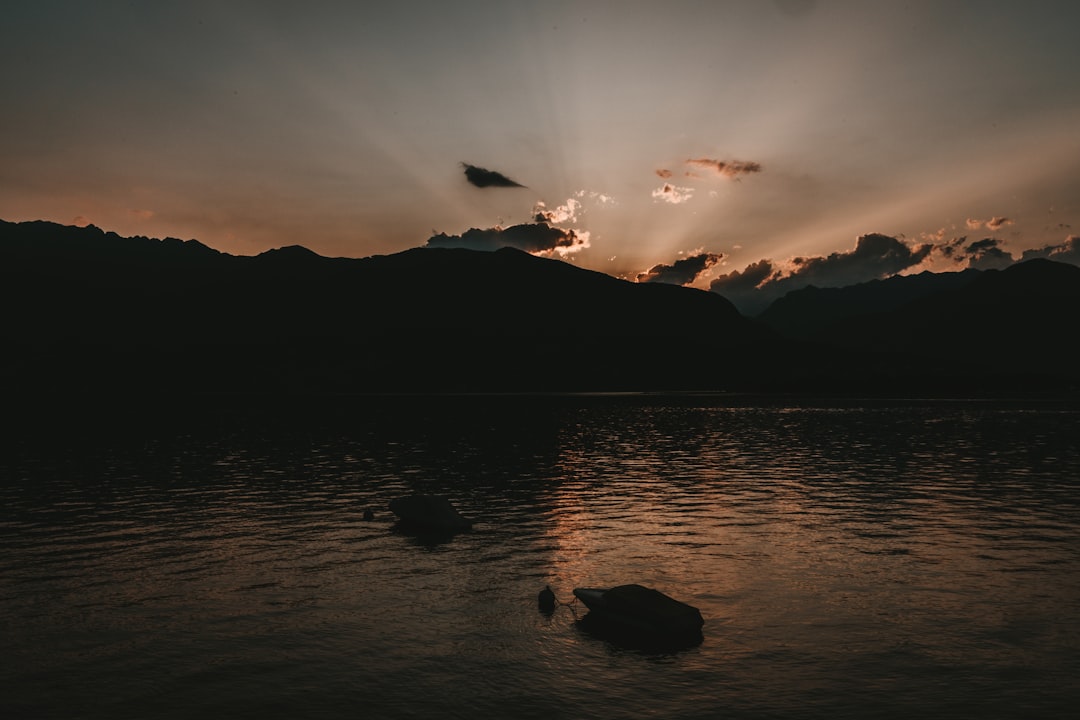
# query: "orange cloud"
(992, 224)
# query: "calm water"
(888, 560)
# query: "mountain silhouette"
(811, 311)
(1015, 322)
(92, 314)
(100, 313)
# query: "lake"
(851, 559)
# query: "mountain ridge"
(424, 319)
(94, 312)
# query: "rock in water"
(429, 513)
(641, 608)
(546, 600)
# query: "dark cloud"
(990, 258)
(731, 168)
(483, 178)
(1067, 252)
(875, 256)
(985, 254)
(746, 281)
(682, 272)
(535, 238)
(664, 173)
(751, 290)
(954, 249)
(983, 245)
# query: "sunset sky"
(719, 134)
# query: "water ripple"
(858, 561)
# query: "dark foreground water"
(864, 560)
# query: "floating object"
(429, 513)
(643, 611)
(546, 600)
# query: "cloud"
(954, 249)
(986, 254)
(993, 223)
(745, 289)
(732, 168)
(557, 216)
(597, 196)
(682, 272)
(875, 256)
(982, 254)
(535, 238)
(751, 278)
(483, 178)
(664, 173)
(673, 194)
(1068, 251)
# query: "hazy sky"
(731, 131)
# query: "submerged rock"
(429, 513)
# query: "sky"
(726, 145)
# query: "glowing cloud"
(682, 272)
(535, 238)
(484, 178)
(673, 194)
(993, 223)
(557, 216)
(597, 196)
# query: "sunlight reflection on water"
(884, 560)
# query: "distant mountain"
(92, 310)
(812, 311)
(1019, 321)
